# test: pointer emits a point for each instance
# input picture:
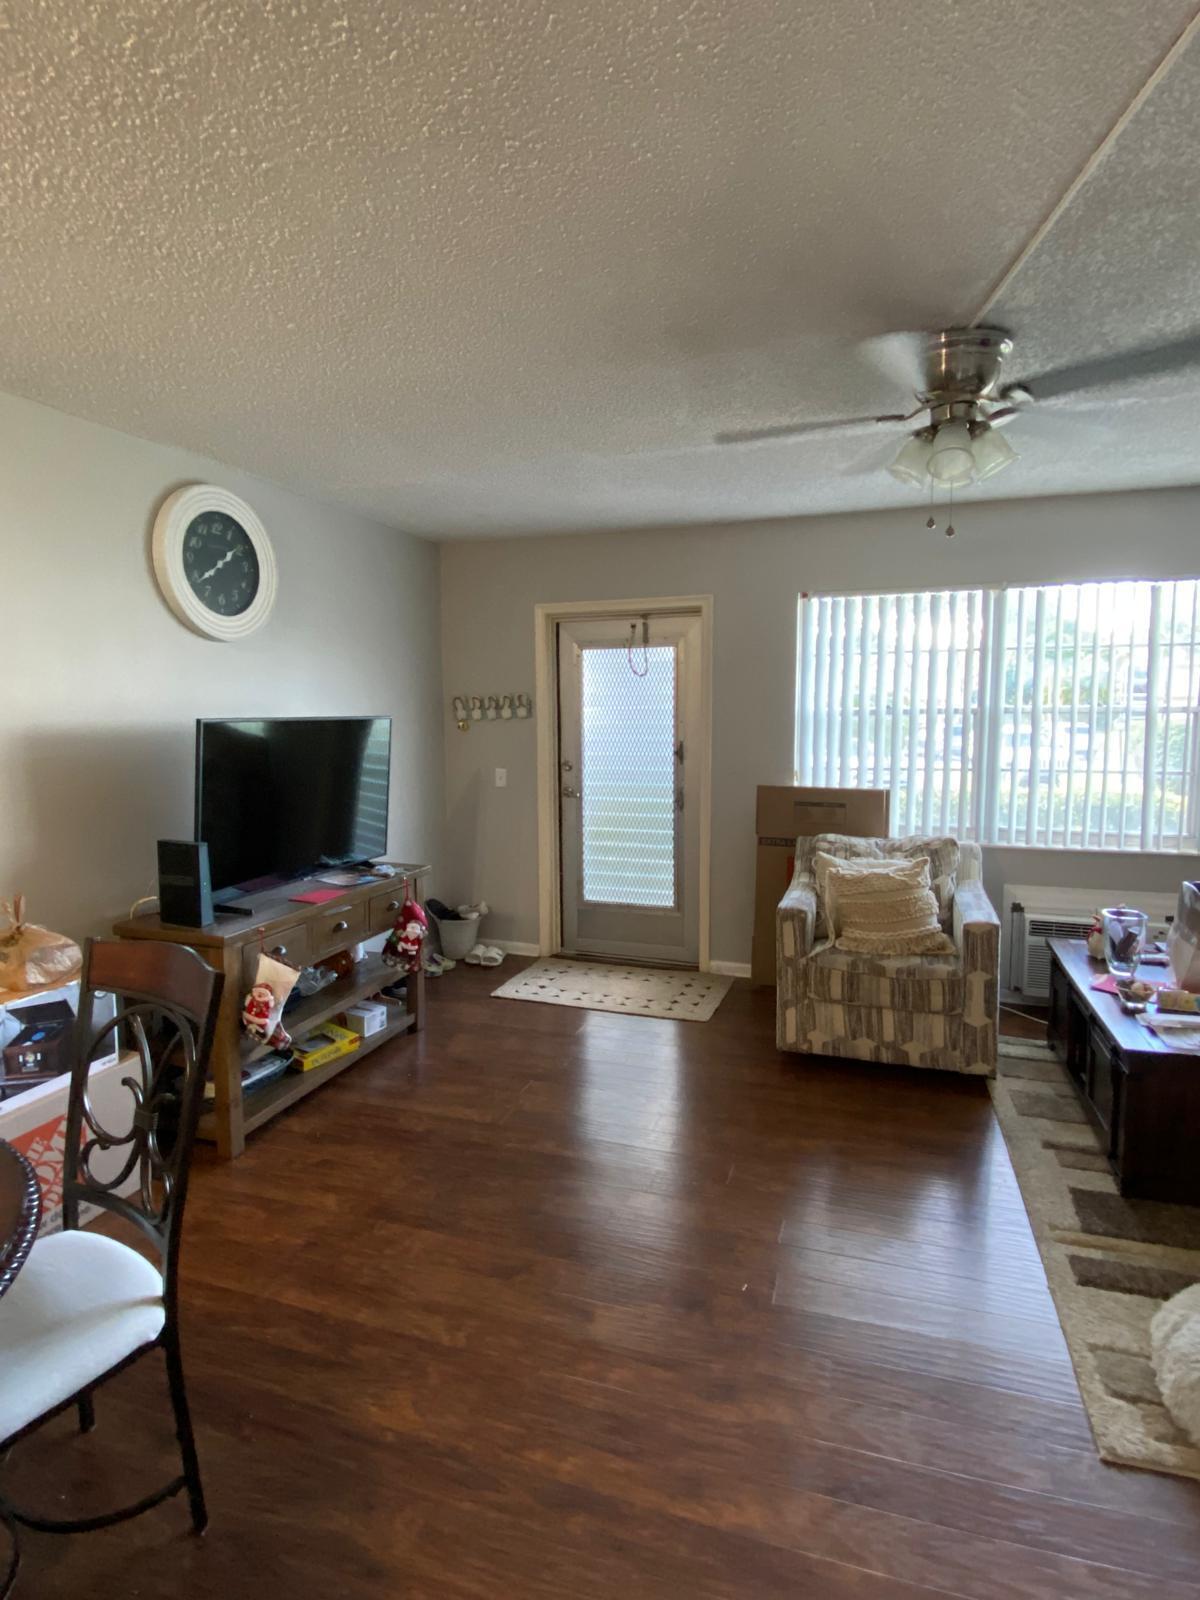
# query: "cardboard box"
(1183, 940)
(36, 1123)
(368, 1018)
(784, 815)
(322, 1045)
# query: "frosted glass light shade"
(992, 453)
(912, 463)
(952, 459)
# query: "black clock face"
(220, 563)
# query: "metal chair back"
(166, 1012)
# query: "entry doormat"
(631, 991)
(1110, 1261)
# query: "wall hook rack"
(469, 708)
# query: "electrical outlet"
(502, 777)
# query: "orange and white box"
(35, 1122)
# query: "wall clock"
(214, 562)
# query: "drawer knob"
(279, 950)
(393, 905)
(340, 927)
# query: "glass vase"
(1124, 940)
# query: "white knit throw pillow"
(881, 908)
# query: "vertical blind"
(1062, 715)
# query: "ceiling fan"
(956, 379)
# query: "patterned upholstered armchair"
(921, 1011)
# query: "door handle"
(568, 793)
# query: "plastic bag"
(33, 957)
(1183, 939)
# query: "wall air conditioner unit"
(1034, 913)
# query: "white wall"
(755, 572)
(100, 686)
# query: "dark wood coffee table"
(1143, 1098)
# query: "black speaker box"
(184, 884)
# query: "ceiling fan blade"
(792, 430)
(872, 457)
(897, 357)
(1150, 362)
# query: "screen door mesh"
(628, 777)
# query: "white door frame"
(545, 700)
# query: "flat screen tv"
(278, 797)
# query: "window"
(1064, 715)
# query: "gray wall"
(101, 685)
(755, 573)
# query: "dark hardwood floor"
(553, 1303)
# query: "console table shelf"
(369, 975)
(260, 1105)
(303, 934)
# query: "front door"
(629, 816)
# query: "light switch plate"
(502, 777)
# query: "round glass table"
(20, 1212)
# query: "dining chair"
(86, 1305)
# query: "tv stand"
(302, 934)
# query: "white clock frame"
(174, 517)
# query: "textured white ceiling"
(505, 268)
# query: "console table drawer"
(289, 944)
(338, 927)
(1103, 1086)
(385, 908)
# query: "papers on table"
(1178, 1030)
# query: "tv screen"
(278, 797)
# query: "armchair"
(937, 1011)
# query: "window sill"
(1095, 850)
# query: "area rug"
(1110, 1262)
(633, 991)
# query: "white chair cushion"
(883, 908)
(80, 1305)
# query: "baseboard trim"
(1016, 1000)
(518, 947)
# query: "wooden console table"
(1142, 1098)
(301, 934)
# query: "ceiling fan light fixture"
(912, 463)
(992, 453)
(952, 458)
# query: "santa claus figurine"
(407, 938)
(257, 1009)
(262, 1009)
